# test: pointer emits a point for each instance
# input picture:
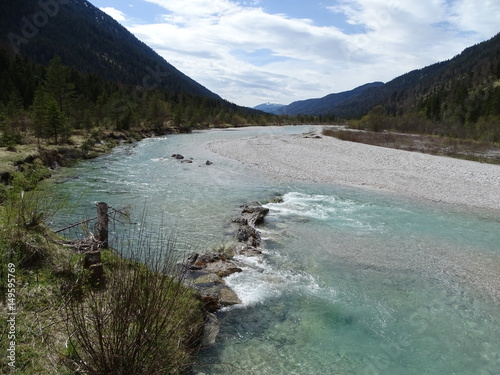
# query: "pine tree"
(58, 85)
(38, 111)
(54, 124)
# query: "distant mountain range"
(270, 108)
(90, 41)
(319, 106)
(438, 90)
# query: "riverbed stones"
(205, 274)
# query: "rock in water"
(255, 214)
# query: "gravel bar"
(316, 158)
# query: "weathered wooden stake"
(102, 223)
(92, 263)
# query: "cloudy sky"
(255, 51)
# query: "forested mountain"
(460, 96)
(67, 68)
(321, 106)
(89, 41)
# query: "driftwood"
(85, 245)
(74, 225)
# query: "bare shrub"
(143, 321)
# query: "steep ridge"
(466, 83)
(90, 41)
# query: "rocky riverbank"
(205, 272)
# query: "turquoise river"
(352, 281)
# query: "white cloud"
(482, 18)
(249, 56)
(115, 13)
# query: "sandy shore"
(329, 160)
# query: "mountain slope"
(327, 104)
(90, 41)
(440, 90)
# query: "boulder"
(213, 263)
(248, 234)
(208, 278)
(222, 268)
(248, 251)
(204, 275)
(255, 214)
(240, 220)
(228, 297)
(216, 296)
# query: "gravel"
(332, 161)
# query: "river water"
(352, 281)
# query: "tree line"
(50, 103)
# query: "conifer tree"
(54, 124)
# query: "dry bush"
(143, 321)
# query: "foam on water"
(261, 280)
(328, 209)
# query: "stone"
(228, 297)
(249, 251)
(276, 200)
(255, 214)
(208, 278)
(192, 258)
(240, 220)
(216, 296)
(248, 234)
(210, 302)
(222, 268)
